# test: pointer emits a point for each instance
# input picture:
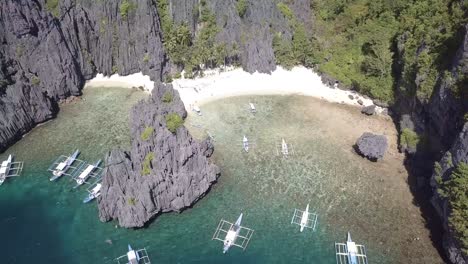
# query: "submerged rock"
(163, 172)
(372, 146)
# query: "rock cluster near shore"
(163, 172)
(372, 146)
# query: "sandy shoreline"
(129, 81)
(216, 85)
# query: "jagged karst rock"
(179, 173)
(368, 110)
(457, 154)
(49, 57)
(372, 146)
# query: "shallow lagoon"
(47, 223)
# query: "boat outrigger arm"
(62, 165)
(350, 252)
(284, 149)
(92, 170)
(9, 168)
(134, 257)
(304, 219)
(233, 234)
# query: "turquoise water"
(47, 223)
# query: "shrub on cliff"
(173, 122)
(53, 7)
(146, 166)
(167, 97)
(409, 138)
(145, 135)
(125, 8)
(456, 191)
(241, 7)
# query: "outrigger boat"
(253, 110)
(284, 147)
(81, 179)
(135, 257)
(5, 168)
(63, 166)
(93, 193)
(304, 219)
(245, 144)
(8, 168)
(350, 253)
(236, 235)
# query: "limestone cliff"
(163, 172)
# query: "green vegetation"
(131, 201)
(357, 42)
(146, 58)
(146, 166)
(241, 7)
(53, 7)
(173, 122)
(115, 69)
(167, 97)
(35, 80)
(126, 7)
(145, 135)
(456, 191)
(285, 10)
(193, 54)
(409, 138)
(19, 51)
(299, 49)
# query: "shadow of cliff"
(420, 167)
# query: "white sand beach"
(236, 82)
(129, 81)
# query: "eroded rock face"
(457, 154)
(178, 175)
(372, 146)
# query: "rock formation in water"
(47, 52)
(163, 172)
(372, 146)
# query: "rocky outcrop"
(163, 172)
(46, 58)
(47, 53)
(372, 146)
(439, 121)
(368, 110)
(458, 153)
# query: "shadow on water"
(28, 233)
(420, 167)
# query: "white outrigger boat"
(245, 144)
(236, 235)
(94, 191)
(350, 253)
(253, 110)
(134, 257)
(86, 173)
(284, 149)
(63, 166)
(304, 219)
(197, 110)
(8, 168)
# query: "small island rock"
(372, 146)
